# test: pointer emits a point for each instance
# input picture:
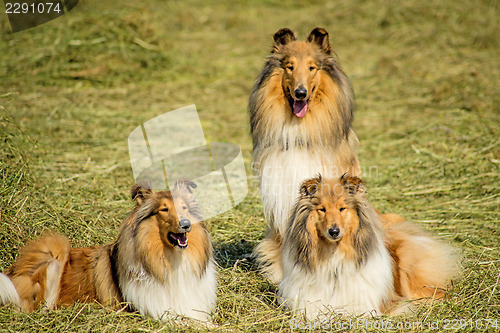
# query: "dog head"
(332, 206)
(301, 63)
(174, 211)
(331, 215)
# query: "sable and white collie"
(301, 109)
(339, 254)
(161, 263)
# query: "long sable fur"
(301, 241)
(49, 272)
(379, 259)
(288, 149)
(342, 115)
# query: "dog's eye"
(184, 208)
(312, 68)
(342, 209)
(289, 67)
(164, 210)
(322, 209)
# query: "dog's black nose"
(334, 232)
(185, 224)
(300, 93)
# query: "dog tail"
(36, 274)
(8, 293)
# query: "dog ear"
(352, 184)
(188, 184)
(139, 193)
(282, 37)
(319, 36)
(311, 186)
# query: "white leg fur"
(8, 293)
(52, 283)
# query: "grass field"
(425, 76)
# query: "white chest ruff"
(281, 176)
(182, 292)
(337, 285)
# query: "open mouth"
(178, 239)
(299, 108)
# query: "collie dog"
(161, 263)
(301, 109)
(340, 254)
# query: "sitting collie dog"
(301, 109)
(340, 254)
(160, 264)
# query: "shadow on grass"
(236, 253)
(236, 257)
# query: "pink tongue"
(300, 108)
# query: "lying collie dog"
(301, 109)
(161, 263)
(340, 254)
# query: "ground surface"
(427, 116)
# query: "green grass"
(428, 119)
